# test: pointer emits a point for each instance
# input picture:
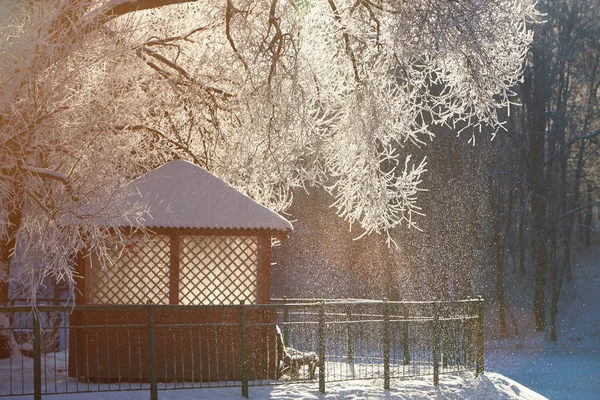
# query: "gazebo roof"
(183, 195)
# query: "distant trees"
(552, 149)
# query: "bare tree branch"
(593, 203)
(570, 143)
(116, 8)
(228, 15)
(165, 137)
(338, 19)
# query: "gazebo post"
(264, 275)
(174, 269)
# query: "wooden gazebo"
(205, 244)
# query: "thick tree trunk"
(587, 235)
(499, 244)
(535, 171)
(7, 245)
(538, 210)
(556, 277)
(522, 243)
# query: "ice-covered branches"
(387, 72)
(268, 95)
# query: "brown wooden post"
(81, 261)
(264, 270)
(174, 269)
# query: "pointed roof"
(180, 194)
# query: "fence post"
(37, 356)
(386, 345)
(445, 333)
(436, 344)
(472, 324)
(286, 319)
(350, 343)
(152, 349)
(405, 338)
(480, 338)
(322, 347)
(244, 348)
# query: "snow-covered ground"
(460, 385)
(556, 373)
(457, 386)
(570, 367)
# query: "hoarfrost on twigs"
(270, 96)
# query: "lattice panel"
(139, 273)
(218, 269)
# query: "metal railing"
(87, 348)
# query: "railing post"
(350, 343)
(472, 324)
(244, 348)
(436, 344)
(152, 349)
(286, 319)
(322, 347)
(480, 338)
(445, 333)
(405, 338)
(37, 356)
(386, 345)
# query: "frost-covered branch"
(270, 96)
(47, 173)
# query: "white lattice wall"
(139, 273)
(218, 269)
(213, 269)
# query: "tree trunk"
(537, 97)
(7, 246)
(500, 275)
(587, 237)
(522, 245)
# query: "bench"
(292, 360)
